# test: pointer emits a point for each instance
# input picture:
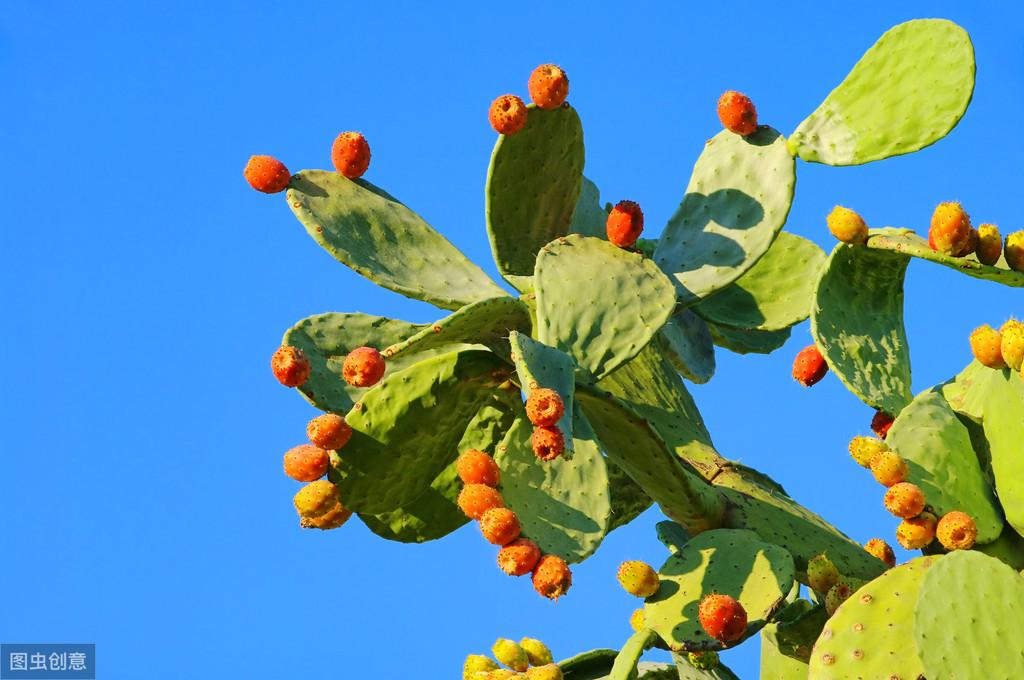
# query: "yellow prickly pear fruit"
(502, 674)
(477, 663)
(821, 573)
(1011, 343)
(864, 449)
(990, 244)
(986, 346)
(316, 498)
(1014, 251)
(537, 653)
(916, 532)
(549, 671)
(636, 620)
(638, 578)
(956, 531)
(846, 225)
(332, 519)
(510, 654)
(888, 468)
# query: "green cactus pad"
(777, 666)
(941, 461)
(632, 444)
(967, 622)
(1004, 429)
(908, 243)
(795, 629)
(371, 232)
(672, 535)
(735, 204)
(774, 294)
(905, 93)
(969, 390)
(326, 339)
(687, 343)
(725, 561)
(435, 514)
(563, 505)
(400, 441)
(593, 665)
(533, 183)
(857, 323)
(486, 322)
(628, 657)
(871, 635)
(686, 671)
(1009, 548)
(628, 499)
(598, 303)
(748, 342)
(589, 218)
(541, 366)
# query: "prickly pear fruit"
(864, 449)
(1011, 344)
(916, 532)
(950, 228)
(350, 154)
(551, 577)
(329, 431)
(548, 86)
(638, 578)
(502, 674)
(548, 443)
(985, 346)
(306, 463)
(703, 661)
(821, 573)
(956, 531)
(316, 498)
(904, 500)
(518, 557)
(838, 594)
(722, 617)
(846, 225)
(332, 519)
(636, 620)
(536, 652)
(476, 499)
(737, 113)
(1014, 251)
(507, 114)
(624, 224)
(990, 244)
(510, 654)
(266, 174)
(809, 366)
(499, 526)
(881, 422)
(476, 467)
(544, 407)
(363, 367)
(881, 550)
(476, 663)
(290, 366)
(888, 468)
(548, 671)
(970, 246)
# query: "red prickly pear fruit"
(548, 443)
(950, 228)
(624, 224)
(1011, 343)
(636, 620)
(846, 225)
(638, 578)
(536, 652)
(316, 498)
(476, 499)
(722, 617)
(916, 532)
(510, 654)
(266, 174)
(864, 449)
(306, 463)
(889, 469)
(329, 431)
(548, 86)
(956, 531)
(821, 573)
(881, 550)
(551, 577)
(507, 114)
(881, 422)
(544, 407)
(363, 367)
(476, 467)
(290, 366)
(838, 594)
(499, 526)
(904, 500)
(350, 154)
(737, 113)
(332, 519)
(990, 244)
(1014, 251)
(986, 346)
(518, 557)
(809, 366)
(970, 245)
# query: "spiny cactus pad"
(672, 535)
(486, 323)
(628, 499)
(1004, 429)
(743, 341)
(795, 629)
(725, 561)
(624, 667)
(1009, 548)
(908, 243)
(735, 204)
(589, 216)
(592, 665)
(687, 343)
(906, 92)
(365, 228)
(541, 366)
(777, 666)
(533, 183)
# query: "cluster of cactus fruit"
(425, 425)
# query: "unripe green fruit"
(838, 594)
(821, 573)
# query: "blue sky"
(142, 503)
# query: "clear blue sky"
(142, 502)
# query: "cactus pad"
(687, 343)
(1009, 548)
(743, 341)
(777, 666)
(592, 665)
(906, 92)
(628, 499)
(735, 204)
(371, 232)
(686, 671)
(486, 322)
(628, 657)
(541, 366)
(795, 629)
(672, 535)
(589, 218)
(908, 243)
(969, 390)
(1004, 430)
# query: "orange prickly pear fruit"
(809, 366)
(316, 498)
(306, 463)
(548, 86)
(363, 367)
(350, 154)
(476, 499)
(916, 532)
(990, 244)
(290, 366)
(1014, 251)
(266, 174)
(737, 113)
(888, 468)
(881, 550)
(956, 531)
(544, 407)
(846, 225)
(904, 500)
(1011, 343)
(548, 443)
(636, 620)
(499, 526)
(551, 577)
(329, 431)
(507, 114)
(985, 346)
(476, 467)
(950, 230)
(624, 224)
(518, 557)
(332, 519)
